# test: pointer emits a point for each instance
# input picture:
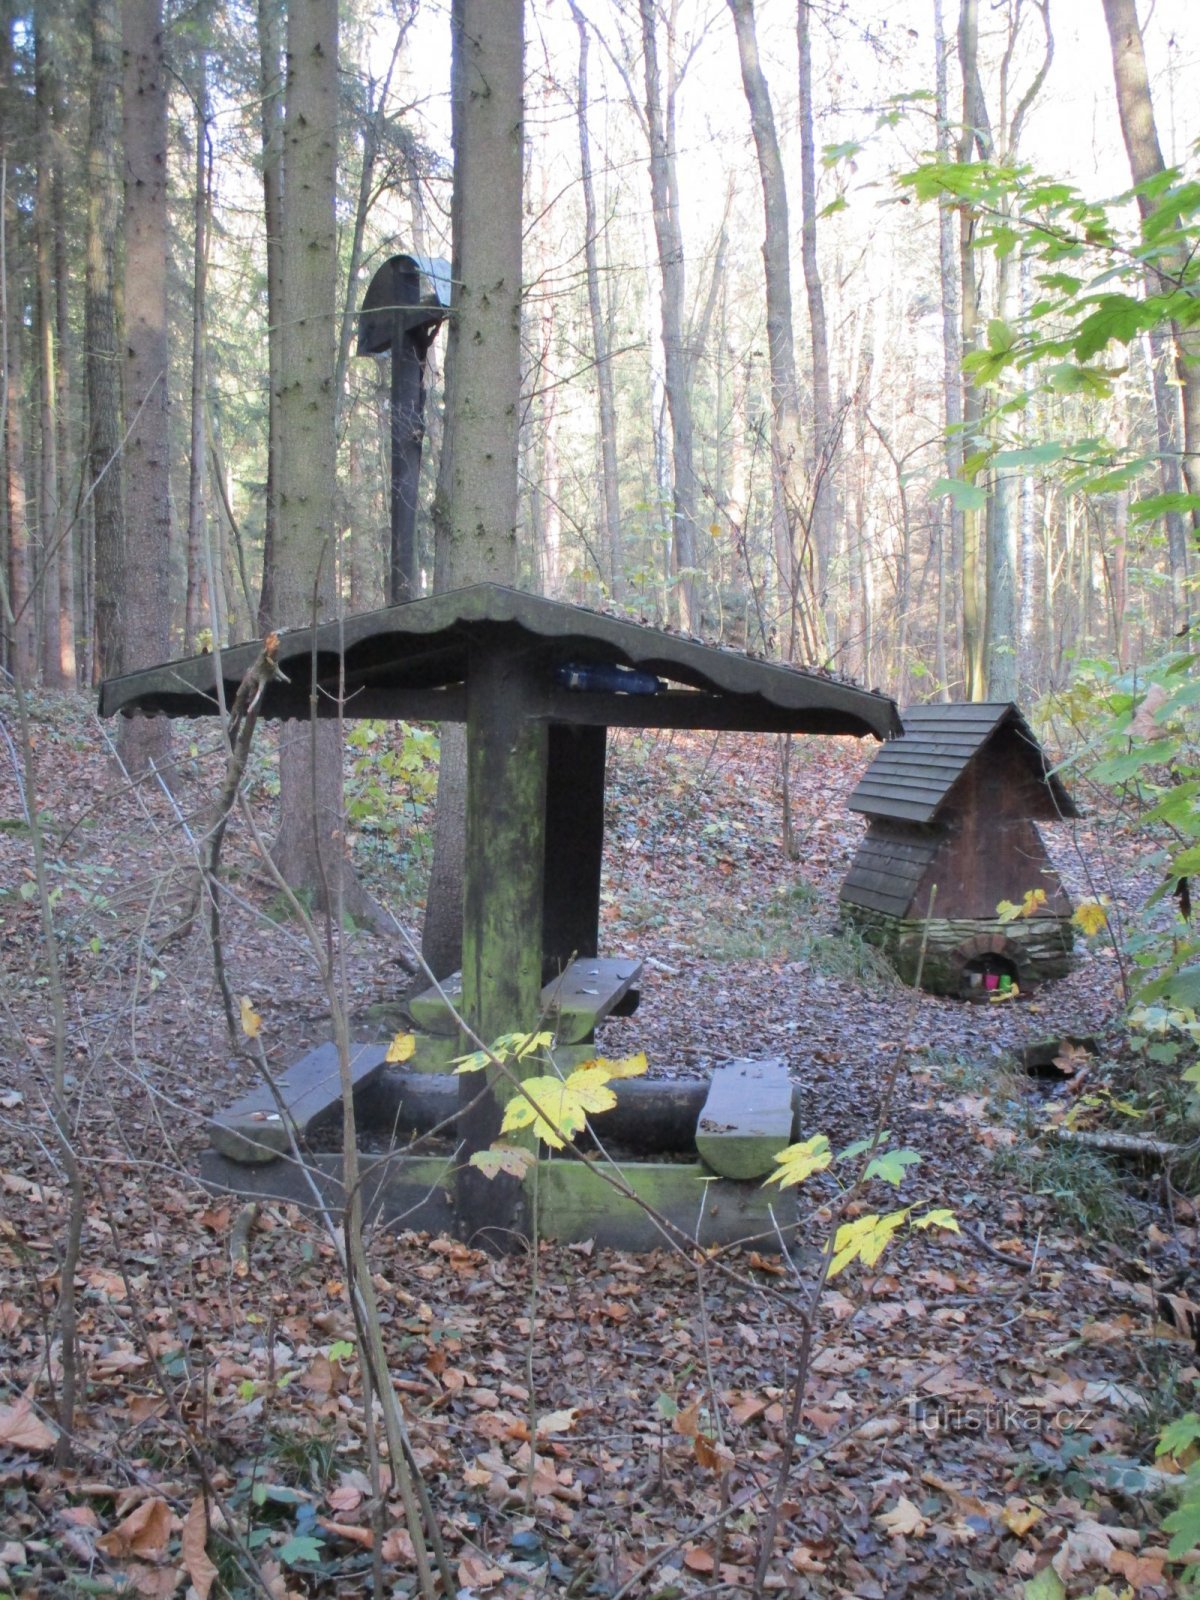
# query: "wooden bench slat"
(251, 1131)
(588, 990)
(747, 1118)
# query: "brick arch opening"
(986, 955)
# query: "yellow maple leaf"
(627, 1067)
(510, 1158)
(556, 1108)
(1019, 1516)
(1032, 902)
(939, 1217)
(865, 1239)
(401, 1048)
(1090, 917)
(800, 1161)
(251, 1021)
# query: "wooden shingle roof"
(911, 778)
(887, 871)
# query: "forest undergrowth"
(982, 1408)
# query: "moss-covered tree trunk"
(496, 886)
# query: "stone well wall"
(1038, 947)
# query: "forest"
(814, 365)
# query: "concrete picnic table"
(538, 682)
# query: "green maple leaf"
(1184, 1523)
(1178, 1435)
(890, 1164)
(304, 1547)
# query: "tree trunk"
(310, 847)
(949, 562)
(976, 132)
(49, 521)
(475, 506)
(669, 237)
(271, 93)
(68, 610)
(1140, 134)
(145, 613)
(374, 125)
(798, 497)
(497, 859)
(822, 456)
(21, 650)
(105, 465)
(605, 400)
(22, 657)
(198, 605)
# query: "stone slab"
(252, 1131)
(747, 1118)
(587, 992)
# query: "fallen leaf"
(802, 1559)
(558, 1421)
(251, 1020)
(697, 1559)
(1143, 1572)
(476, 1572)
(1092, 1544)
(349, 1531)
(144, 1532)
(398, 1546)
(904, 1520)
(154, 1583)
(1019, 1516)
(200, 1569)
(21, 1427)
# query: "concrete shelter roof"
(413, 661)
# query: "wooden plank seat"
(747, 1118)
(588, 990)
(252, 1131)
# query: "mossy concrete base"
(1038, 947)
(574, 1201)
(406, 1191)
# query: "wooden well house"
(952, 809)
(538, 683)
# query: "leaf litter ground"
(958, 1396)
